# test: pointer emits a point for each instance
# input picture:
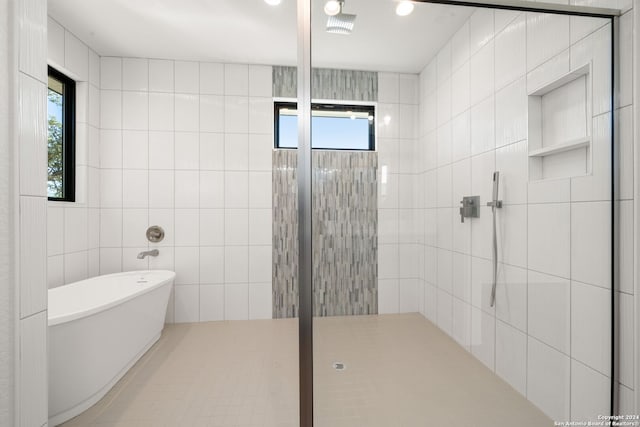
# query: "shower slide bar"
(495, 204)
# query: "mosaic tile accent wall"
(345, 240)
(344, 85)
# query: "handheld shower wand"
(495, 204)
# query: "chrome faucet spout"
(144, 254)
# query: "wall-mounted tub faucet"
(144, 254)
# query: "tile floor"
(401, 370)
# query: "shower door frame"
(305, 187)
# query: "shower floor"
(401, 370)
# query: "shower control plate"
(470, 207)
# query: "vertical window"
(333, 126)
(61, 100)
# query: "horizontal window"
(333, 126)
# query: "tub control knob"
(155, 234)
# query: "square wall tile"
(260, 224)
(211, 265)
(547, 35)
(548, 243)
(462, 323)
(212, 113)
(260, 264)
(32, 131)
(511, 296)
(33, 370)
(187, 260)
(55, 230)
(409, 292)
(481, 29)
(161, 111)
(212, 189)
(135, 74)
(161, 189)
(75, 229)
(236, 152)
(260, 304)
(187, 189)
(483, 337)
(55, 42)
(135, 188)
(110, 73)
(236, 264)
(110, 260)
(548, 379)
(591, 243)
(187, 113)
(236, 189)
(511, 356)
(236, 79)
(445, 312)
(187, 303)
(549, 310)
(511, 51)
(33, 255)
(236, 227)
(260, 80)
(260, 115)
(161, 76)
(236, 114)
(511, 113)
(211, 151)
(187, 77)
(161, 150)
(513, 163)
(388, 88)
(76, 57)
(481, 72)
(135, 149)
(236, 301)
(135, 110)
(590, 391)
(187, 230)
(211, 78)
(75, 266)
(388, 296)
(591, 326)
(211, 303)
(187, 147)
(55, 271)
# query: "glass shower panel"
(417, 314)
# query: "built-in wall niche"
(560, 126)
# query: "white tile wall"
(187, 146)
(399, 275)
(548, 335)
(24, 270)
(73, 229)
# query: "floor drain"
(339, 366)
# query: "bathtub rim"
(76, 315)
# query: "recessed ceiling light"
(332, 7)
(404, 8)
(273, 2)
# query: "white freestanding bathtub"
(98, 328)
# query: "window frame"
(324, 105)
(68, 136)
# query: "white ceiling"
(250, 31)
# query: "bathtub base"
(92, 400)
